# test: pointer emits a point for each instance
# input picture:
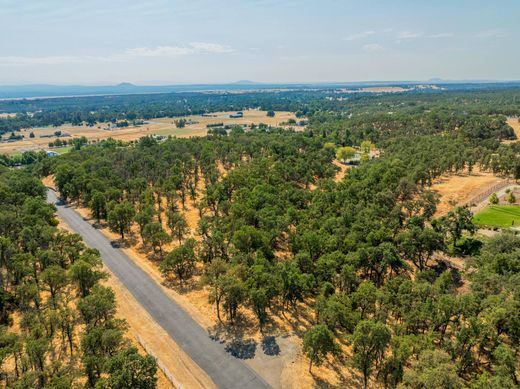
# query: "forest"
(278, 233)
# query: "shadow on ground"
(270, 346)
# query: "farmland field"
(498, 216)
(161, 126)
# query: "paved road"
(225, 370)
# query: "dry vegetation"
(290, 368)
(514, 123)
(459, 189)
(161, 126)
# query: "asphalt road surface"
(225, 370)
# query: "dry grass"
(289, 369)
(144, 329)
(161, 126)
(458, 189)
(514, 123)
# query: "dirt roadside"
(144, 332)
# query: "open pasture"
(196, 126)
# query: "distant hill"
(246, 82)
(45, 90)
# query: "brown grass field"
(515, 124)
(458, 189)
(160, 126)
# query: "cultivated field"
(162, 126)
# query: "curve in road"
(225, 370)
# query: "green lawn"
(62, 150)
(499, 216)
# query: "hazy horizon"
(160, 42)
(432, 80)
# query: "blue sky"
(202, 41)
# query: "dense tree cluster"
(57, 323)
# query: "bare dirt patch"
(514, 123)
(342, 170)
(460, 189)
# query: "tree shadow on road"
(242, 349)
(237, 342)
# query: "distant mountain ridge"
(48, 90)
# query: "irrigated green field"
(62, 150)
(499, 216)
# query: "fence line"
(161, 365)
(482, 196)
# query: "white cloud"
(176, 51)
(204, 47)
(160, 51)
(492, 33)
(360, 35)
(441, 35)
(373, 47)
(409, 35)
